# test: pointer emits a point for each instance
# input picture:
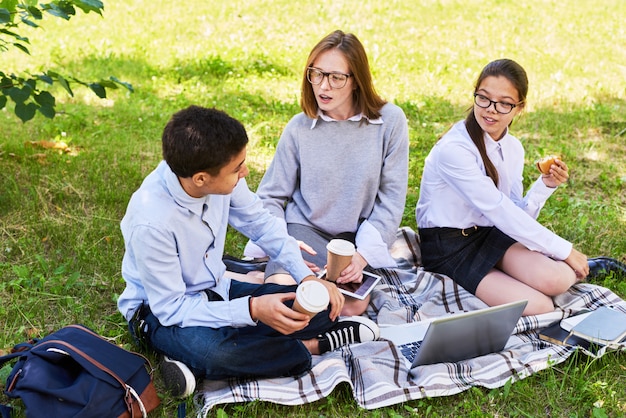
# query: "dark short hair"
(199, 139)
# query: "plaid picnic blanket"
(377, 372)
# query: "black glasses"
(501, 107)
(336, 80)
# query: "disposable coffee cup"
(339, 257)
(311, 298)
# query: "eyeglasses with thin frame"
(501, 107)
(336, 80)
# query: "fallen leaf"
(60, 145)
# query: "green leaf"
(98, 89)
(57, 13)
(21, 47)
(3, 101)
(13, 35)
(107, 84)
(599, 413)
(47, 111)
(25, 111)
(45, 78)
(90, 6)
(125, 84)
(10, 6)
(32, 83)
(5, 82)
(45, 99)
(19, 95)
(5, 16)
(63, 82)
(96, 4)
(29, 23)
(35, 12)
(63, 9)
(5, 372)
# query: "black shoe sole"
(237, 265)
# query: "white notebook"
(604, 326)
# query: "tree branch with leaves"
(29, 91)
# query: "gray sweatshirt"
(333, 174)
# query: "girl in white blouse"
(475, 224)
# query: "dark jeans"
(254, 351)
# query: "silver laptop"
(455, 337)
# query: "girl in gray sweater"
(341, 166)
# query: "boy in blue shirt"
(179, 299)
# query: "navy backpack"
(74, 372)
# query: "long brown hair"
(366, 100)
(513, 72)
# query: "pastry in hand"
(545, 163)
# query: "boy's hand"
(336, 297)
(271, 310)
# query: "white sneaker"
(177, 378)
(352, 329)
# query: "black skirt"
(464, 255)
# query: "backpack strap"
(17, 351)
(8, 357)
(5, 411)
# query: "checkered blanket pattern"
(376, 371)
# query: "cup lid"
(340, 247)
(312, 296)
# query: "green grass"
(60, 245)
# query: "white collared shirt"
(456, 192)
(355, 118)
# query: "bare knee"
(280, 278)
(539, 305)
(557, 280)
(556, 287)
(545, 275)
(354, 307)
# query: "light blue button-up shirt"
(174, 248)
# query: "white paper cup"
(311, 298)
(339, 257)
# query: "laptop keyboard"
(409, 350)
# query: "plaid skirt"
(464, 255)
